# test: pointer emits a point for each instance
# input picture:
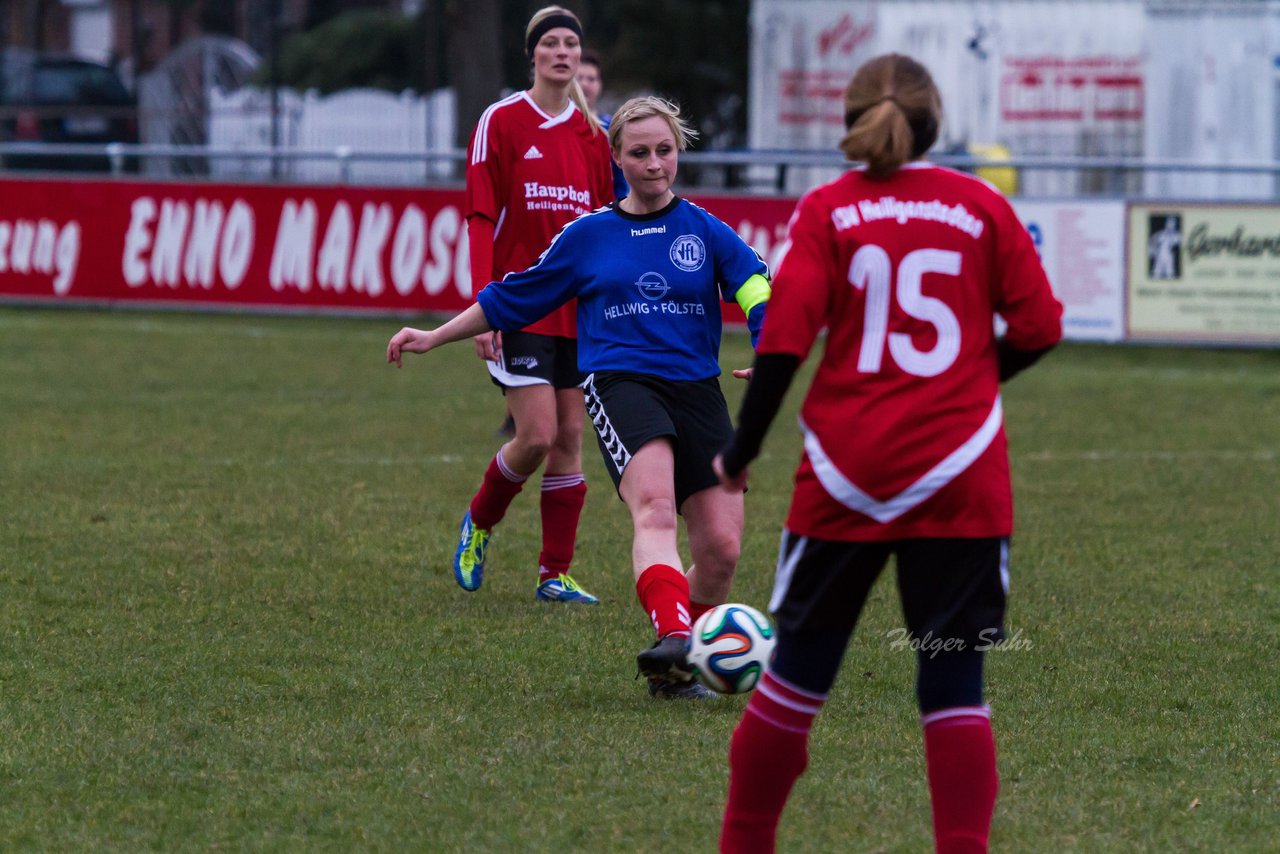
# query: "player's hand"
(744, 373)
(488, 346)
(407, 340)
(737, 483)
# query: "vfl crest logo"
(652, 286)
(688, 253)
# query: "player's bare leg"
(534, 408)
(714, 520)
(537, 422)
(648, 488)
(564, 490)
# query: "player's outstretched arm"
(409, 340)
(771, 377)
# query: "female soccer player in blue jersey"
(648, 273)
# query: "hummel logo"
(533, 153)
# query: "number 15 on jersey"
(872, 271)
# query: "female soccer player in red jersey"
(537, 160)
(905, 264)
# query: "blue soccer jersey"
(648, 289)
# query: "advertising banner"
(369, 250)
(1204, 273)
(271, 247)
(1081, 245)
(230, 245)
(1037, 77)
(802, 56)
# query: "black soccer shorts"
(953, 591)
(528, 358)
(630, 409)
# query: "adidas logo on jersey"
(533, 153)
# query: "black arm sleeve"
(770, 378)
(1014, 362)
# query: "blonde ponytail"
(579, 99)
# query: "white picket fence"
(360, 121)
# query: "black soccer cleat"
(666, 659)
(674, 689)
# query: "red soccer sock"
(499, 487)
(562, 499)
(768, 753)
(697, 609)
(663, 592)
(961, 756)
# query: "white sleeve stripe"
(554, 240)
(847, 493)
(481, 151)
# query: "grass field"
(227, 619)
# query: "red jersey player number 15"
(906, 265)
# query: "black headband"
(550, 23)
(924, 129)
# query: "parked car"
(58, 98)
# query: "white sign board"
(1082, 247)
(1041, 77)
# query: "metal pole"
(343, 154)
(115, 154)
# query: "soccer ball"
(730, 648)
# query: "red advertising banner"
(262, 247)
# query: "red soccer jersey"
(903, 431)
(531, 173)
